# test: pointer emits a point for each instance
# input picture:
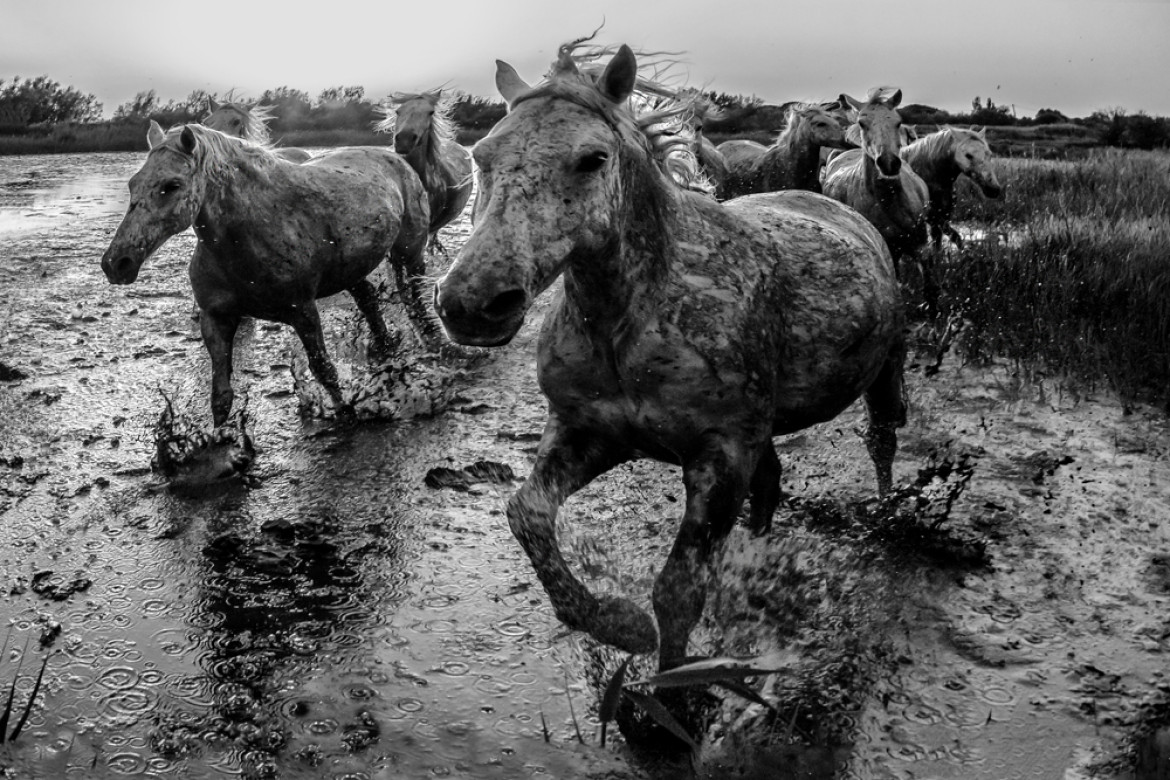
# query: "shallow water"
(335, 617)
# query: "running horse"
(274, 236)
(687, 331)
(940, 159)
(873, 179)
(424, 134)
(793, 162)
(250, 122)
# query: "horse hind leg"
(885, 403)
(383, 344)
(765, 491)
(306, 321)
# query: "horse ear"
(509, 83)
(212, 104)
(155, 135)
(980, 131)
(617, 82)
(187, 140)
(895, 99)
(846, 100)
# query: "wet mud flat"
(357, 607)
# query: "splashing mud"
(356, 607)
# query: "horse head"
(880, 129)
(550, 178)
(822, 125)
(165, 196)
(973, 156)
(414, 115)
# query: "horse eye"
(171, 186)
(592, 162)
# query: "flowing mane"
(443, 128)
(217, 154)
(255, 118)
(657, 119)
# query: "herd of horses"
(694, 324)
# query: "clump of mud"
(188, 454)
(410, 384)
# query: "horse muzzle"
(122, 269)
(889, 165)
(481, 323)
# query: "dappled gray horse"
(940, 159)
(424, 134)
(274, 236)
(688, 331)
(873, 179)
(792, 162)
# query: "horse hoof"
(624, 625)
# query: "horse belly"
(841, 304)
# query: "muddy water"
(335, 617)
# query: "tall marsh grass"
(1072, 276)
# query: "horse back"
(835, 296)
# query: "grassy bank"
(1073, 276)
(131, 137)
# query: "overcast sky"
(1072, 55)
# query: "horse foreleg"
(885, 403)
(382, 343)
(306, 321)
(566, 461)
(765, 490)
(717, 483)
(219, 332)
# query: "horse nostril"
(890, 164)
(505, 304)
(122, 265)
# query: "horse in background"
(425, 136)
(940, 158)
(274, 236)
(873, 180)
(688, 330)
(250, 122)
(792, 162)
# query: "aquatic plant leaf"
(657, 710)
(572, 712)
(713, 670)
(739, 689)
(8, 707)
(612, 697)
(32, 697)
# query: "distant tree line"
(32, 105)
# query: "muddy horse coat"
(688, 331)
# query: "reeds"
(1073, 275)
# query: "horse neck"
(426, 158)
(235, 188)
(793, 160)
(620, 284)
(933, 160)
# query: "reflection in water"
(274, 610)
